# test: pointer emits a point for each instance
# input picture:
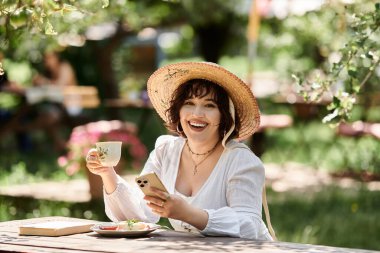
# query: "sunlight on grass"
(334, 216)
(317, 145)
(21, 208)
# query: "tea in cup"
(109, 152)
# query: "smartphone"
(150, 180)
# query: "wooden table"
(157, 241)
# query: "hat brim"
(164, 81)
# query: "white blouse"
(232, 194)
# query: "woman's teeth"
(199, 125)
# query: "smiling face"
(200, 118)
(204, 98)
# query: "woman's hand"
(167, 205)
(107, 174)
(174, 207)
(94, 166)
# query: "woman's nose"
(198, 111)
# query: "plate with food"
(129, 228)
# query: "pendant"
(195, 170)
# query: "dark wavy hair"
(201, 88)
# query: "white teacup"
(109, 152)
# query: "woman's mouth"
(197, 126)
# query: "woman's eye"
(210, 105)
(188, 103)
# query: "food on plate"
(133, 225)
(108, 227)
(128, 225)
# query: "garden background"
(115, 46)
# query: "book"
(56, 228)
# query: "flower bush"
(84, 137)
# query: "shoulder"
(166, 147)
(239, 157)
(240, 150)
(168, 141)
(65, 66)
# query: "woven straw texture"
(164, 81)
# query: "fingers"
(92, 155)
(157, 207)
(92, 151)
(161, 194)
(93, 164)
(160, 204)
(155, 201)
(92, 158)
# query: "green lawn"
(333, 216)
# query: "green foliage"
(24, 208)
(317, 145)
(184, 47)
(333, 216)
(330, 53)
(199, 11)
(19, 72)
(20, 168)
(29, 27)
(8, 101)
(349, 71)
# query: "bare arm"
(66, 76)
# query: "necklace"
(207, 154)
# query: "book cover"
(56, 228)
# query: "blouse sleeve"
(127, 202)
(242, 215)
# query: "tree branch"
(369, 74)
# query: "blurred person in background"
(47, 115)
(57, 72)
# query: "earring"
(179, 131)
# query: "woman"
(52, 115)
(58, 72)
(215, 183)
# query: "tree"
(351, 71)
(29, 27)
(216, 23)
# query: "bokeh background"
(314, 63)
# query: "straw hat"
(164, 81)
